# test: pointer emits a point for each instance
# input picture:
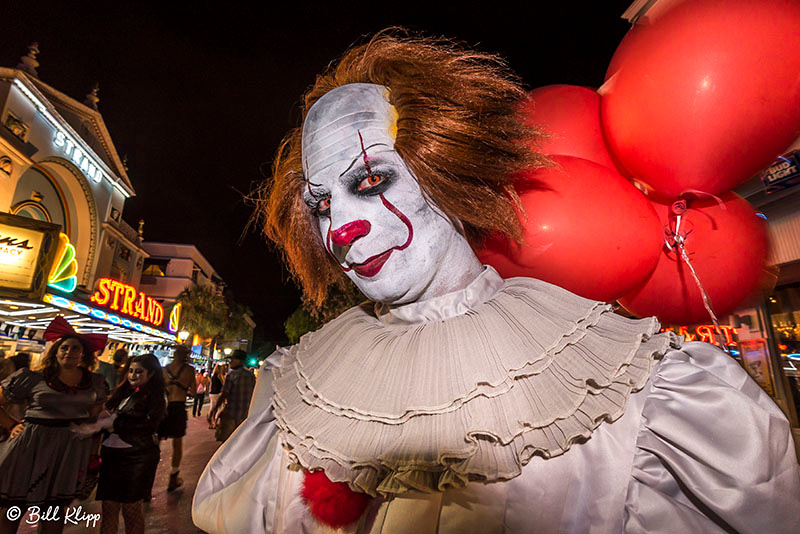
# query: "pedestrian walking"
(42, 462)
(180, 383)
(202, 383)
(236, 393)
(215, 391)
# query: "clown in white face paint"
(374, 220)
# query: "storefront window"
(784, 310)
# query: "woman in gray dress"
(43, 463)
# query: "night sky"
(198, 95)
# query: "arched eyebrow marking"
(310, 192)
(363, 155)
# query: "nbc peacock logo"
(64, 271)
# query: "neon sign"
(126, 299)
(174, 318)
(705, 332)
(63, 275)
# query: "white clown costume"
(464, 403)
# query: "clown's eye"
(323, 207)
(370, 181)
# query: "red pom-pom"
(94, 464)
(332, 503)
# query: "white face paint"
(372, 215)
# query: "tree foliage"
(298, 323)
(308, 317)
(208, 315)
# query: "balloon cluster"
(699, 96)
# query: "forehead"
(338, 123)
(70, 342)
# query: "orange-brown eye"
(370, 181)
(324, 205)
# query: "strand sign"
(126, 299)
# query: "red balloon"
(727, 248)
(707, 95)
(653, 13)
(587, 230)
(571, 116)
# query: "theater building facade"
(61, 176)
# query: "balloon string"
(698, 193)
(679, 241)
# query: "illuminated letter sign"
(76, 155)
(125, 299)
(705, 332)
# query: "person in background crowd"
(108, 372)
(130, 453)
(6, 366)
(42, 463)
(114, 372)
(180, 382)
(236, 393)
(120, 359)
(202, 383)
(216, 390)
(20, 360)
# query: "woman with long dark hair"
(130, 453)
(42, 463)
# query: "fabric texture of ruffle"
(392, 407)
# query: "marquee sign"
(27, 248)
(127, 300)
(103, 315)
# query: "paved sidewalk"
(168, 513)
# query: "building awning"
(84, 318)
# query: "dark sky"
(198, 95)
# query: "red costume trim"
(332, 503)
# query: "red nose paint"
(347, 233)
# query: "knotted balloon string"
(678, 208)
(698, 193)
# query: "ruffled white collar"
(431, 400)
(485, 286)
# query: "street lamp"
(227, 351)
(182, 335)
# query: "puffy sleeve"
(713, 453)
(18, 386)
(246, 481)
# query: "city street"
(168, 512)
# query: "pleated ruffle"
(432, 406)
